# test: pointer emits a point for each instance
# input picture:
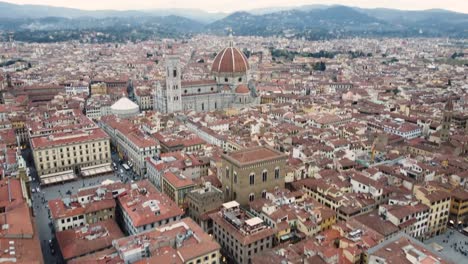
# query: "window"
(277, 173)
(226, 79)
(264, 194)
(235, 177)
(174, 73)
(252, 179)
(227, 173)
(251, 197)
(264, 176)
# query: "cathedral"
(228, 87)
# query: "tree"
(247, 52)
(320, 66)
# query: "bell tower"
(446, 122)
(173, 84)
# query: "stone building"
(446, 122)
(60, 156)
(227, 88)
(249, 173)
(203, 201)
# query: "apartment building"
(144, 208)
(88, 239)
(61, 156)
(176, 186)
(439, 203)
(412, 219)
(88, 206)
(133, 144)
(240, 235)
(181, 241)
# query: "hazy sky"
(235, 5)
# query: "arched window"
(227, 173)
(252, 179)
(277, 173)
(227, 192)
(251, 197)
(235, 177)
(264, 175)
(264, 194)
(226, 79)
(240, 79)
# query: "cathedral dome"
(242, 89)
(230, 60)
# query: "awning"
(57, 177)
(96, 169)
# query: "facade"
(439, 203)
(88, 206)
(98, 106)
(176, 186)
(133, 144)
(240, 236)
(411, 219)
(446, 122)
(182, 241)
(59, 156)
(459, 207)
(249, 173)
(203, 201)
(144, 98)
(228, 87)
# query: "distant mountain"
(309, 22)
(269, 10)
(194, 14)
(295, 22)
(8, 10)
(319, 22)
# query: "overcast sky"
(235, 5)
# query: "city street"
(41, 198)
(454, 243)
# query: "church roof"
(124, 104)
(242, 89)
(230, 60)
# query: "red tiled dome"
(242, 89)
(230, 60)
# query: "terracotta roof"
(242, 89)
(254, 154)
(230, 60)
(83, 240)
